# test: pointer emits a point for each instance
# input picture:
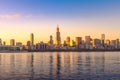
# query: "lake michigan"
(60, 66)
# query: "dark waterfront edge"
(88, 50)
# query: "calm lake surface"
(60, 66)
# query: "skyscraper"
(64, 44)
(0, 42)
(32, 39)
(78, 41)
(58, 38)
(51, 40)
(117, 43)
(108, 42)
(103, 39)
(4, 43)
(73, 43)
(28, 43)
(68, 41)
(12, 42)
(96, 43)
(88, 40)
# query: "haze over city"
(19, 18)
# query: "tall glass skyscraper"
(68, 41)
(103, 39)
(58, 38)
(12, 42)
(32, 39)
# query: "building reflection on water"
(59, 65)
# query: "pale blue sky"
(75, 18)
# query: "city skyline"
(59, 39)
(75, 18)
(56, 39)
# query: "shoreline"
(116, 50)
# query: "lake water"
(60, 66)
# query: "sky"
(19, 18)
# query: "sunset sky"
(19, 18)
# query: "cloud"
(14, 16)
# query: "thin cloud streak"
(14, 16)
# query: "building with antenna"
(58, 38)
